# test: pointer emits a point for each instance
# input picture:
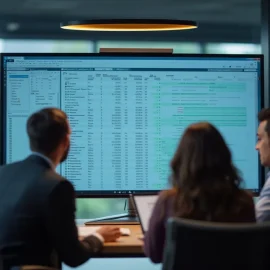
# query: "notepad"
(88, 230)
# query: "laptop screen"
(144, 205)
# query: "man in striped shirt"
(263, 147)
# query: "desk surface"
(126, 246)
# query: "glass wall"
(232, 48)
(83, 46)
(46, 46)
(92, 208)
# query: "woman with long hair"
(205, 186)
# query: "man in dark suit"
(37, 205)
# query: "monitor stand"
(129, 218)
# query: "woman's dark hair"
(203, 174)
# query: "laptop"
(144, 205)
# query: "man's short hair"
(264, 115)
(46, 129)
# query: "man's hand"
(109, 233)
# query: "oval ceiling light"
(129, 25)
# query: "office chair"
(205, 245)
(32, 267)
(1, 263)
(10, 260)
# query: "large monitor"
(128, 111)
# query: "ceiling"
(41, 18)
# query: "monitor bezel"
(126, 194)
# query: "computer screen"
(144, 205)
(128, 111)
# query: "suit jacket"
(154, 241)
(37, 217)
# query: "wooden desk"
(126, 246)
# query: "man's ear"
(67, 140)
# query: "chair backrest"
(32, 267)
(12, 258)
(1, 263)
(207, 245)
